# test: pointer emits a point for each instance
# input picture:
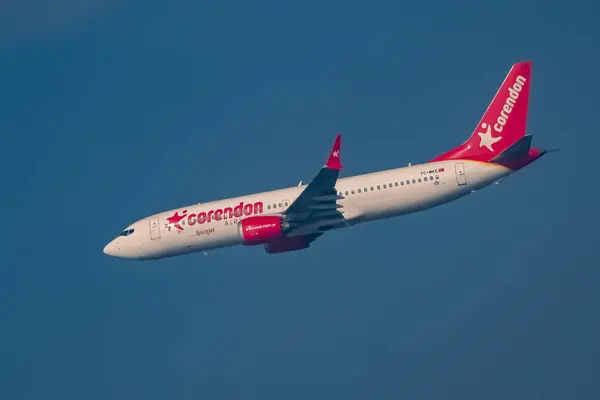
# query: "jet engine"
(261, 229)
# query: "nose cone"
(127, 249)
(111, 249)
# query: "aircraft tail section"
(519, 155)
(504, 121)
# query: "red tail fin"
(504, 121)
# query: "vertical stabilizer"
(503, 123)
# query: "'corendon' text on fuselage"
(511, 100)
(224, 213)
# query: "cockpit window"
(127, 232)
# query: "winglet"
(334, 160)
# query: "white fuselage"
(367, 197)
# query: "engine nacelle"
(285, 244)
(261, 229)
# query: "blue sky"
(112, 111)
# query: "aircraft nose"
(111, 249)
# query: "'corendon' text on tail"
(513, 95)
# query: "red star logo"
(175, 219)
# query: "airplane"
(291, 219)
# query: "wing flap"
(329, 206)
(328, 198)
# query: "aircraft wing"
(316, 208)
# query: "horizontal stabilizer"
(519, 154)
(518, 149)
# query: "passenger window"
(408, 182)
(358, 190)
(401, 183)
(269, 206)
(378, 187)
(396, 184)
(414, 181)
(366, 190)
(384, 186)
(280, 205)
(419, 179)
(437, 177)
(372, 188)
(352, 191)
(346, 193)
(286, 203)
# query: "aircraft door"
(154, 228)
(461, 176)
